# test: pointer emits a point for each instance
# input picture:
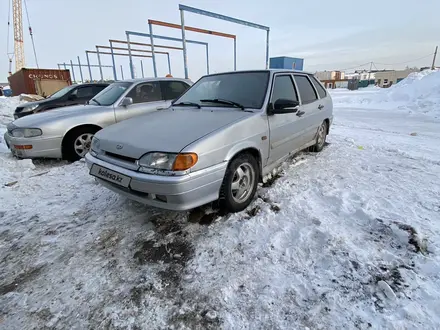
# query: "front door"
(285, 129)
(147, 97)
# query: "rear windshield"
(245, 88)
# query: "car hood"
(168, 130)
(39, 118)
(29, 104)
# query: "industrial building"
(386, 78)
(284, 62)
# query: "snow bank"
(418, 93)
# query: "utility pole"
(433, 60)
(369, 73)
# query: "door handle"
(300, 113)
(320, 107)
(160, 108)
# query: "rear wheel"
(320, 137)
(240, 183)
(77, 143)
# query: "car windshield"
(110, 94)
(62, 92)
(248, 89)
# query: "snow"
(349, 237)
(418, 93)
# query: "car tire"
(77, 140)
(320, 137)
(239, 183)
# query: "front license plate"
(109, 175)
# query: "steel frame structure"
(139, 44)
(72, 65)
(193, 29)
(108, 53)
(149, 35)
(202, 12)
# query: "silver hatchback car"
(67, 132)
(217, 141)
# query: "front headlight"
(30, 108)
(167, 161)
(26, 132)
(95, 147)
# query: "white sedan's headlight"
(167, 161)
(30, 108)
(26, 132)
(95, 148)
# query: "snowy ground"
(348, 238)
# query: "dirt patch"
(413, 238)
(152, 251)
(270, 181)
(20, 280)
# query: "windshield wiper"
(223, 101)
(190, 104)
(96, 102)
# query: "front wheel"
(240, 183)
(77, 143)
(320, 137)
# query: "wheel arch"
(71, 130)
(249, 148)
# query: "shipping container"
(284, 62)
(26, 81)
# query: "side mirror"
(72, 97)
(126, 101)
(284, 106)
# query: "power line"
(420, 58)
(30, 32)
(355, 67)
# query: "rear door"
(285, 129)
(147, 97)
(309, 107)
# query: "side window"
(283, 88)
(97, 89)
(321, 90)
(173, 89)
(146, 92)
(85, 92)
(306, 90)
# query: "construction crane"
(17, 17)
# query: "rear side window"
(85, 92)
(321, 91)
(173, 89)
(97, 89)
(283, 89)
(306, 90)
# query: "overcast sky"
(329, 35)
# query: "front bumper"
(41, 147)
(177, 193)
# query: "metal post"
(185, 59)
(65, 67)
(169, 63)
(152, 49)
(113, 61)
(129, 56)
(80, 70)
(122, 73)
(59, 67)
(142, 69)
(267, 50)
(99, 63)
(207, 59)
(433, 59)
(235, 54)
(73, 71)
(88, 64)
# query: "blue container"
(284, 62)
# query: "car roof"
(138, 80)
(265, 70)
